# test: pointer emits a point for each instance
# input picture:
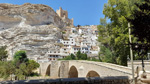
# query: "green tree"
(104, 34)
(116, 11)
(140, 22)
(3, 53)
(26, 69)
(21, 66)
(141, 28)
(105, 38)
(73, 57)
(107, 55)
(83, 56)
(67, 58)
(19, 74)
(31, 66)
(20, 57)
(78, 55)
(114, 35)
(6, 69)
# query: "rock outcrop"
(34, 28)
(35, 14)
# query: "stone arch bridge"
(80, 68)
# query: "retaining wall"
(93, 80)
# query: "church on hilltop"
(63, 14)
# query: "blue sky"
(84, 12)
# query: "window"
(64, 49)
(72, 42)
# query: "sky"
(84, 12)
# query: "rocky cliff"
(35, 14)
(31, 27)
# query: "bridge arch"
(73, 72)
(92, 74)
(73, 69)
(48, 70)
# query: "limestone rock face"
(30, 27)
(35, 14)
(36, 41)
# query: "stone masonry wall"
(54, 69)
(64, 68)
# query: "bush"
(21, 66)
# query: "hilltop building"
(63, 14)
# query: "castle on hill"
(63, 14)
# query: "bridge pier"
(81, 71)
(54, 71)
(64, 68)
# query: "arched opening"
(73, 73)
(48, 70)
(92, 74)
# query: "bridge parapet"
(138, 63)
(111, 66)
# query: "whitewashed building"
(82, 39)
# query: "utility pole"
(131, 53)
